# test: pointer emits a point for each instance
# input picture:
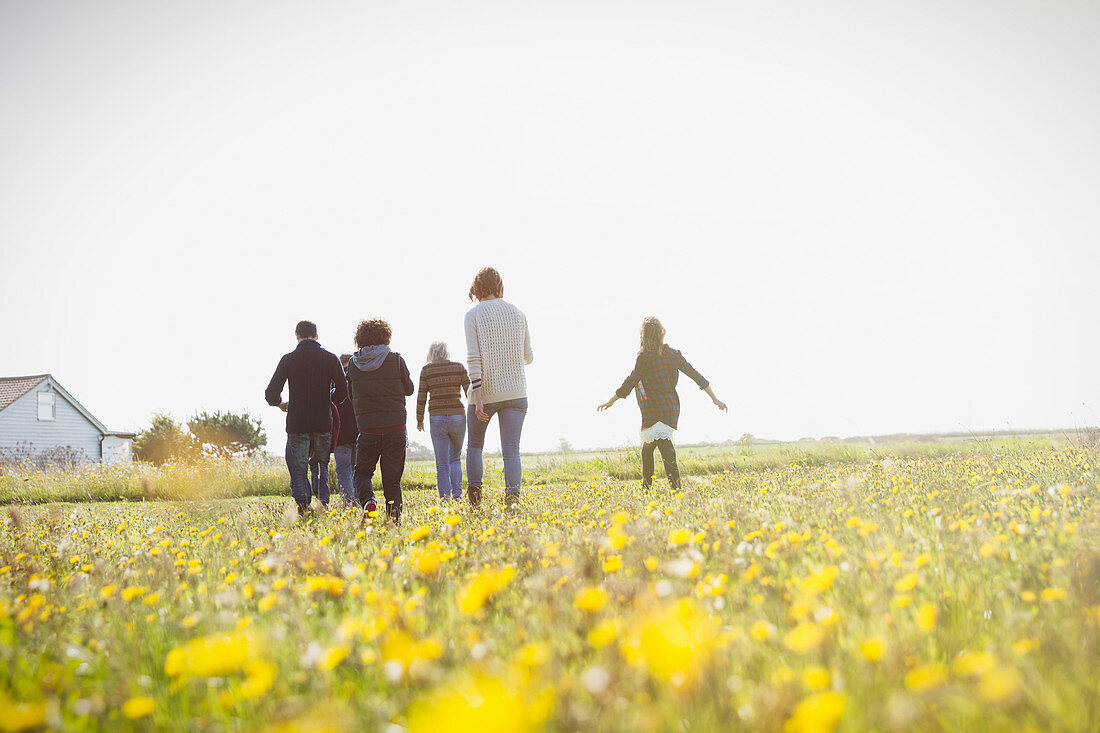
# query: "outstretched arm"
(624, 391)
(699, 379)
(717, 402)
(609, 403)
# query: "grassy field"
(907, 587)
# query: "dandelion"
(804, 638)
(426, 561)
(478, 705)
(1050, 595)
(872, 649)
(332, 657)
(906, 583)
(604, 633)
(815, 678)
(679, 537)
(999, 684)
(762, 630)
(820, 581)
(817, 714)
(590, 600)
(130, 593)
(420, 532)
(612, 563)
(487, 584)
(138, 707)
(926, 618)
(21, 716)
(209, 656)
(926, 677)
(674, 643)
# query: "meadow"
(908, 587)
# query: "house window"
(45, 405)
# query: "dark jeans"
(389, 449)
(668, 455)
(511, 414)
(301, 449)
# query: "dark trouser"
(389, 450)
(301, 448)
(668, 455)
(318, 480)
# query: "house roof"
(12, 388)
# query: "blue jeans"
(301, 448)
(318, 480)
(511, 414)
(345, 460)
(447, 434)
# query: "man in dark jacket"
(379, 381)
(345, 444)
(316, 381)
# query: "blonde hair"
(653, 335)
(438, 351)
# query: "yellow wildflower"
(926, 677)
(138, 707)
(804, 638)
(817, 714)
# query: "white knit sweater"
(498, 345)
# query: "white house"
(38, 416)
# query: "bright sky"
(853, 218)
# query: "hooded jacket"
(378, 383)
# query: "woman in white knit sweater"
(498, 346)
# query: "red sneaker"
(370, 507)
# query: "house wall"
(117, 449)
(19, 423)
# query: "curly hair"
(487, 284)
(373, 332)
(653, 335)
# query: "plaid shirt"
(654, 383)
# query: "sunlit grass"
(937, 591)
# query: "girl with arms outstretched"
(653, 380)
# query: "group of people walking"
(353, 407)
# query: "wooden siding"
(19, 423)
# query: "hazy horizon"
(854, 219)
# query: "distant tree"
(417, 452)
(565, 446)
(747, 439)
(163, 440)
(226, 434)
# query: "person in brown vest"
(378, 383)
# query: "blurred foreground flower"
(817, 713)
(487, 584)
(673, 643)
(480, 705)
(209, 656)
